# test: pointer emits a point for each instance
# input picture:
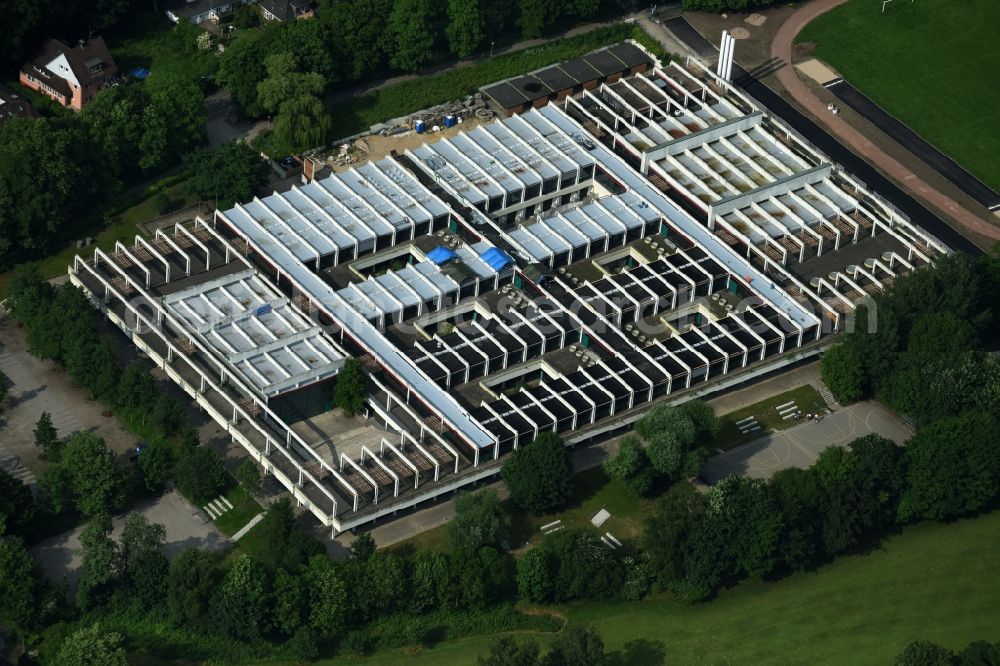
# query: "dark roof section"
(284, 9)
(604, 62)
(555, 78)
(531, 87)
(197, 8)
(580, 70)
(629, 54)
(543, 83)
(505, 95)
(82, 58)
(13, 105)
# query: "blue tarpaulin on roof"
(496, 258)
(441, 255)
(139, 73)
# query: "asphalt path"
(800, 445)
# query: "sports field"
(938, 582)
(934, 64)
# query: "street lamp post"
(491, 48)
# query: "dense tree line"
(922, 350)
(676, 444)
(78, 162)
(927, 653)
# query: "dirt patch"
(756, 19)
(803, 49)
(739, 32)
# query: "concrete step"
(225, 501)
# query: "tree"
(200, 474)
(667, 454)
(87, 475)
(137, 390)
(63, 181)
(479, 520)
(843, 372)
(227, 173)
(800, 497)
(536, 17)
(539, 475)
(191, 582)
(363, 547)
(248, 477)
(156, 464)
(631, 466)
(92, 647)
(925, 653)
(430, 581)
(585, 568)
(954, 468)
(282, 543)
(328, 599)
(290, 602)
(285, 82)
(241, 69)
(17, 585)
(536, 576)
(577, 645)
(411, 25)
(240, 604)
(668, 531)
(361, 29)
(46, 435)
(99, 556)
(17, 506)
(302, 123)
(139, 539)
(351, 389)
(666, 419)
(505, 651)
(465, 26)
(706, 423)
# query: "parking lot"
(801, 445)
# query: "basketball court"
(801, 445)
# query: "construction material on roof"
(496, 258)
(441, 255)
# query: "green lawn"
(151, 41)
(934, 64)
(593, 490)
(938, 582)
(244, 508)
(806, 398)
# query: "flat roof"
(505, 95)
(555, 78)
(580, 70)
(630, 54)
(531, 87)
(255, 330)
(605, 62)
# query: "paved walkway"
(185, 525)
(801, 445)
(781, 48)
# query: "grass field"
(806, 398)
(938, 582)
(934, 64)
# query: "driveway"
(186, 527)
(801, 445)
